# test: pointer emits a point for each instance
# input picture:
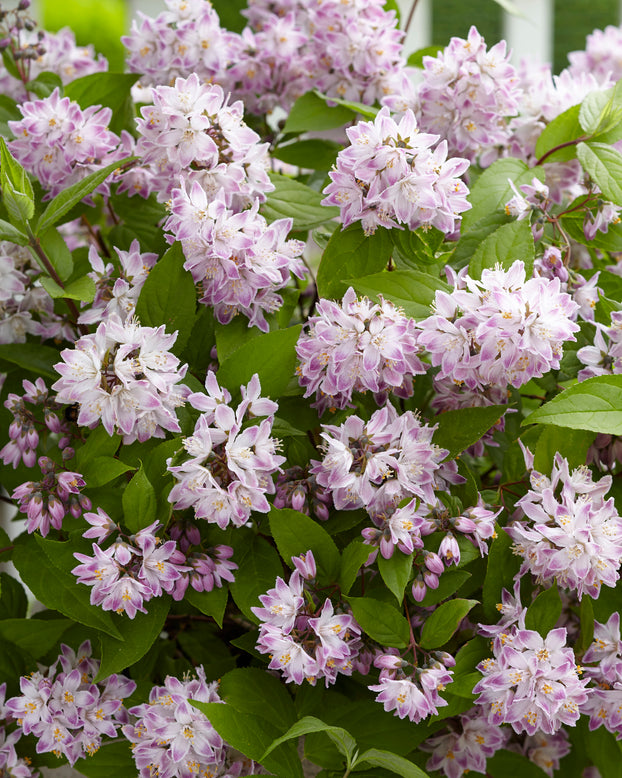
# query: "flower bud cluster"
(389, 175)
(305, 636)
(26, 428)
(500, 330)
(125, 377)
(171, 737)
(412, 690)
(229, 468)
(66, 710)
(357, 346)
(60, 143)
(47, 502)
(567, 531)
(297, 488)
(373, 464)
(584, 292)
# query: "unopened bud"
(23, 5)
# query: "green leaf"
(53, 244)
(441, 624)
(586, 615)
(594, 404)
(368, 111)
(32, 357)
(604, 165)
(168, 296)
(139, 502)
(340, 737)
(601, 112)
(414, 248)
(44, 84)
(310, 113)
(102, 470)
(504, 246)
(98, 444)
(259, 566)
(271, 355)
(381, 621)
(12, 234)
(571, 444)
(293, 200)
(564, 128)
(137, 637)
(35, 636)
(252, 735)
(502, 564)
(65, 200)
(470, 240)
(33, 557)
(113, 758)
(459, 429)
(544, 611)
(389, 761)
(255, 691)
(13, 600)
(105, 89)
(396, 572)
(314, 153)
(354, 555)
(415, 60)
(350, 254)
(80, 289)
(296, 534)
(449, 582)
(411, 290)
(492, 189)
(210, 603)
(17, 191)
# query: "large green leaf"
(340, 737)
(411, 290)
(504, 246)
(396, 764)
(17, 192)
(139, 502)
(112, 759)
(32, 357)
(381, 621)
(502, 565)
(354, 555)
(293, 200)
(604, 164)
(168, 297)
(441, 624)
(314, 153)
(271, 355)
(459, 429)
(310, 113)
(396, 572)
(562, 130)
(35, 636)
(544, 611)
(65, 200)
(259, 566)
(138, 635)
(255, 691)
(297, 534)
(350, 254)
(594, 404)
(210, 603)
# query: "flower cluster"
(237, 260)
(412, 691)
(230, 466)
(60, 143)
(468, 95)
(601, 57)
(584, 292)
(604, 706)
(125, 377)
(173, 739)
(25, 429)
(47, 502)
(605, 356)
(465, 748)
(130, 571)
(377, 463)
(500, 330)
(389, 175)
(355, 347)
(191, 134)
(305, 636)
(531, 683)
(574, 535)
(66, 710)
(117, 291)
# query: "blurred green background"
(102, 22)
